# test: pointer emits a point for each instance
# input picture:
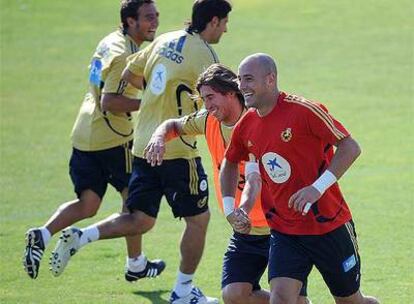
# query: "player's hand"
(154, 151)
(302, 200)
(239, 220)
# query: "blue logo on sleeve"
(349, 263)
(95, 72)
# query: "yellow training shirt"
(170, 66)
(96, 130)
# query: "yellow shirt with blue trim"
(95, 129)
(170, 66)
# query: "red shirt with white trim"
(294, 146)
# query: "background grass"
(354, 56)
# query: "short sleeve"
(113, 82)
(324, 126)
(195, 123)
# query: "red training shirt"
(293, 145)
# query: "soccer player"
(168, 69)
(292, 140)
(102, 134)
(247, 255)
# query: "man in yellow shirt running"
(102, 135)
(167, 70)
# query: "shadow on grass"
(153, 296)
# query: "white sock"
(46, 236)
(89, 234)
(183, 284)
(137, 264)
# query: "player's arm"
(117, 96)
(238, 218)
(252, 186)
(347, 151)
(192, 124)
(118, 103)
(168, 130)
(134, 79)
(229, 174)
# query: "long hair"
(221, 79)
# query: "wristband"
(251, 167)
(228, 205)
(324, 181)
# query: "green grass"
(355, 56)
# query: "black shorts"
(182, 181)
(335, 255)
(246, 260)
(93, 170)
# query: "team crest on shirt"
(286, 135)
(277, 168)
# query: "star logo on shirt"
(273, 164)
(158, 77)
(276, 166)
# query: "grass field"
(355, 56)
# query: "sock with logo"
(89, 234)
(183, 284)
(137, 264)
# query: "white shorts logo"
(158, 79)
(276, 167)
(203, 185)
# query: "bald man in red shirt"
(292, 140)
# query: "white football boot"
(66, 247)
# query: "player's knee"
(142, 223)
(198, 222)
(88, 204)
(89, 208)
(89, 212)
(234, 296)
